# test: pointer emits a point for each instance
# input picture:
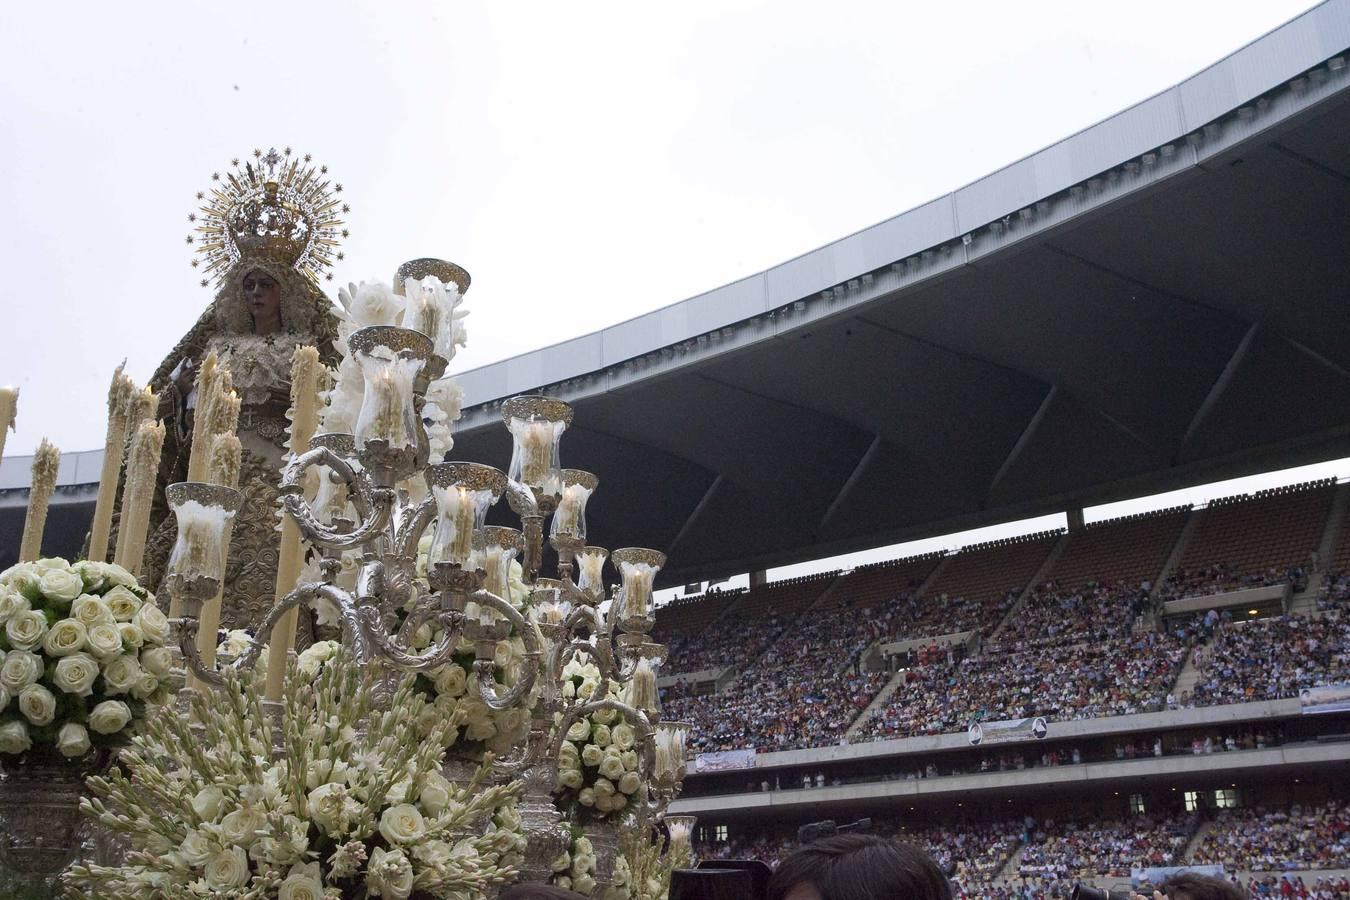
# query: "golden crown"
(274, 206)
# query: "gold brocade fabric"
(260, 369)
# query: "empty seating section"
(688, 616)
(878, 583)
(975, 588)
(1253, 539)
(1129, 550)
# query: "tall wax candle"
(46, 462)
(200, 449)
(142, 467)
(224, 469)
(114, 442)
(9, 405)
(306, 375)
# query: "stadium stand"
(1301, 837)
(1253, 539)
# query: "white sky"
(561, 152)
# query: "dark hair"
(538, 892)
(861, 867)
(1193, 886)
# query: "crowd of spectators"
(1302, 837)
(732, 642)
(1116, 677)
(804, 692)
(1273, 658)
(1053, 616)
(1105, 849)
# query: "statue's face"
(262, 293)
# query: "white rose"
(131, 635)
(196, 848)
(402, 824)
(629, 782)
(156, 660)
(75, 674)
(206, 802)
(562, 862)
(584, 885)
(622, 736)
(145, 686)
(26, 630)
(109, 717)
(570, 778)
(435, 793)
(61, 585)
(4, 697)
(11, 602)
(104, 640)
(592, 755)
(14, 737)
(118, 575)
(600, 735)
(72, 740)
(326, 805)
(389, 874)
(48, 563)
(586, 797)
(241, 826)
(20, 669)
(227, 869)
(303, 882)
(65, 637)
(37, 704)
(612, 766)
(91, 610)
(630, 760)
(122, 603)
(152, 623)
(579, 731)
(120, 674)
(451, 680)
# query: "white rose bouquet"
(81, 654)
(449, 688)
(355, 807)
(598, 770)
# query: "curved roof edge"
(1168, 133)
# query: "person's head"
(1192, 886)
(858, 867)
(262, 294)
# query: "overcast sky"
(587, 162)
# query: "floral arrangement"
(598, 761)
(448, 688)
(574, 867)
(81, 654)
(641, 869)
(354, 806)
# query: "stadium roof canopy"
(1158, 300)
(1161, 299)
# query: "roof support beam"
(1022, 441)
(849, 483)
(693, 516)
(1217, 390)
(1316, 357)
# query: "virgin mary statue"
(265, 232)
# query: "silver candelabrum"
(364, 505)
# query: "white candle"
(637, 589)
(590, 569)
(200, 549)
(9, 405)
(496, 562)
(454, 536)
(534, 444)
(386, 409)
(567, 520)
(46, 464)
(642, 692)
